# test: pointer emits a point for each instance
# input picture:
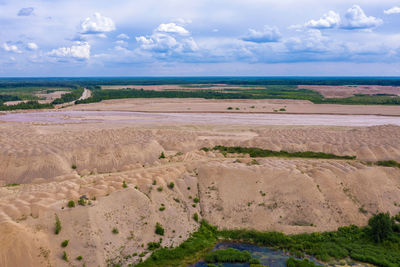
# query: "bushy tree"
(381, 226)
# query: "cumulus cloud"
(357, 19)
(327, 21)
(32, 46)
(172, 28)
(168, 39)
(79, 51)
(312, 41)
(26, 11)
(268, 34)
(123, 36)
(11, 48)
(393, 10)
(97, 24)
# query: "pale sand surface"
(245, 106)
(277, 195)
(350, 90)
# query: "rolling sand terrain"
(38, 177)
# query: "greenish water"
(267, 256)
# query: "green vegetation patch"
(389, 163)
(261, 153)
(357, 243)
(227, 255)
(26, 105)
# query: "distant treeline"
(271, 92)
(26, 105)
(96, 81)
(5, 98)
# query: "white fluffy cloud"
(357, 19)
(268, 34)
(123, 36)
(328, 20)
(32, 46)
(393, 10)
(11, 48)
(168, 39)
(97, 24)
(311, 41)
(172, 28)
(79, 51)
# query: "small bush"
(73, 166)
(162, 156)
(153, 245)
(229, 108)
(58, 225)
(227, 255)
(160, 189)
(71, 204)
(171, 185)
(159, 229)
(291, 262)
(196, 217)
(196, 200)
(82, 201)
(64, 256)
(64, 243)
(124, 185)
(79, 258)
(115, 230)
(154, 182)
(162, 208)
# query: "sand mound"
(19, 246)
(29, 152)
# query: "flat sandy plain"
(278, 194)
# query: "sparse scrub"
(124, 185)
(115, 230)
(196, 217)
(64, 256)
(71, 204)
(58, 225)
(153, 245)
(79, 258)
(82, 201)
(160, 189)
(171, 185)
(159, 229)
(64, 243)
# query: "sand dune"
(38, 177)
(278, 194)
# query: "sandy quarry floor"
(238, 106)
(289, 195)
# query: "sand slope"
(292, 196)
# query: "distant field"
(223, 91)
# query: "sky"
(51, 38)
